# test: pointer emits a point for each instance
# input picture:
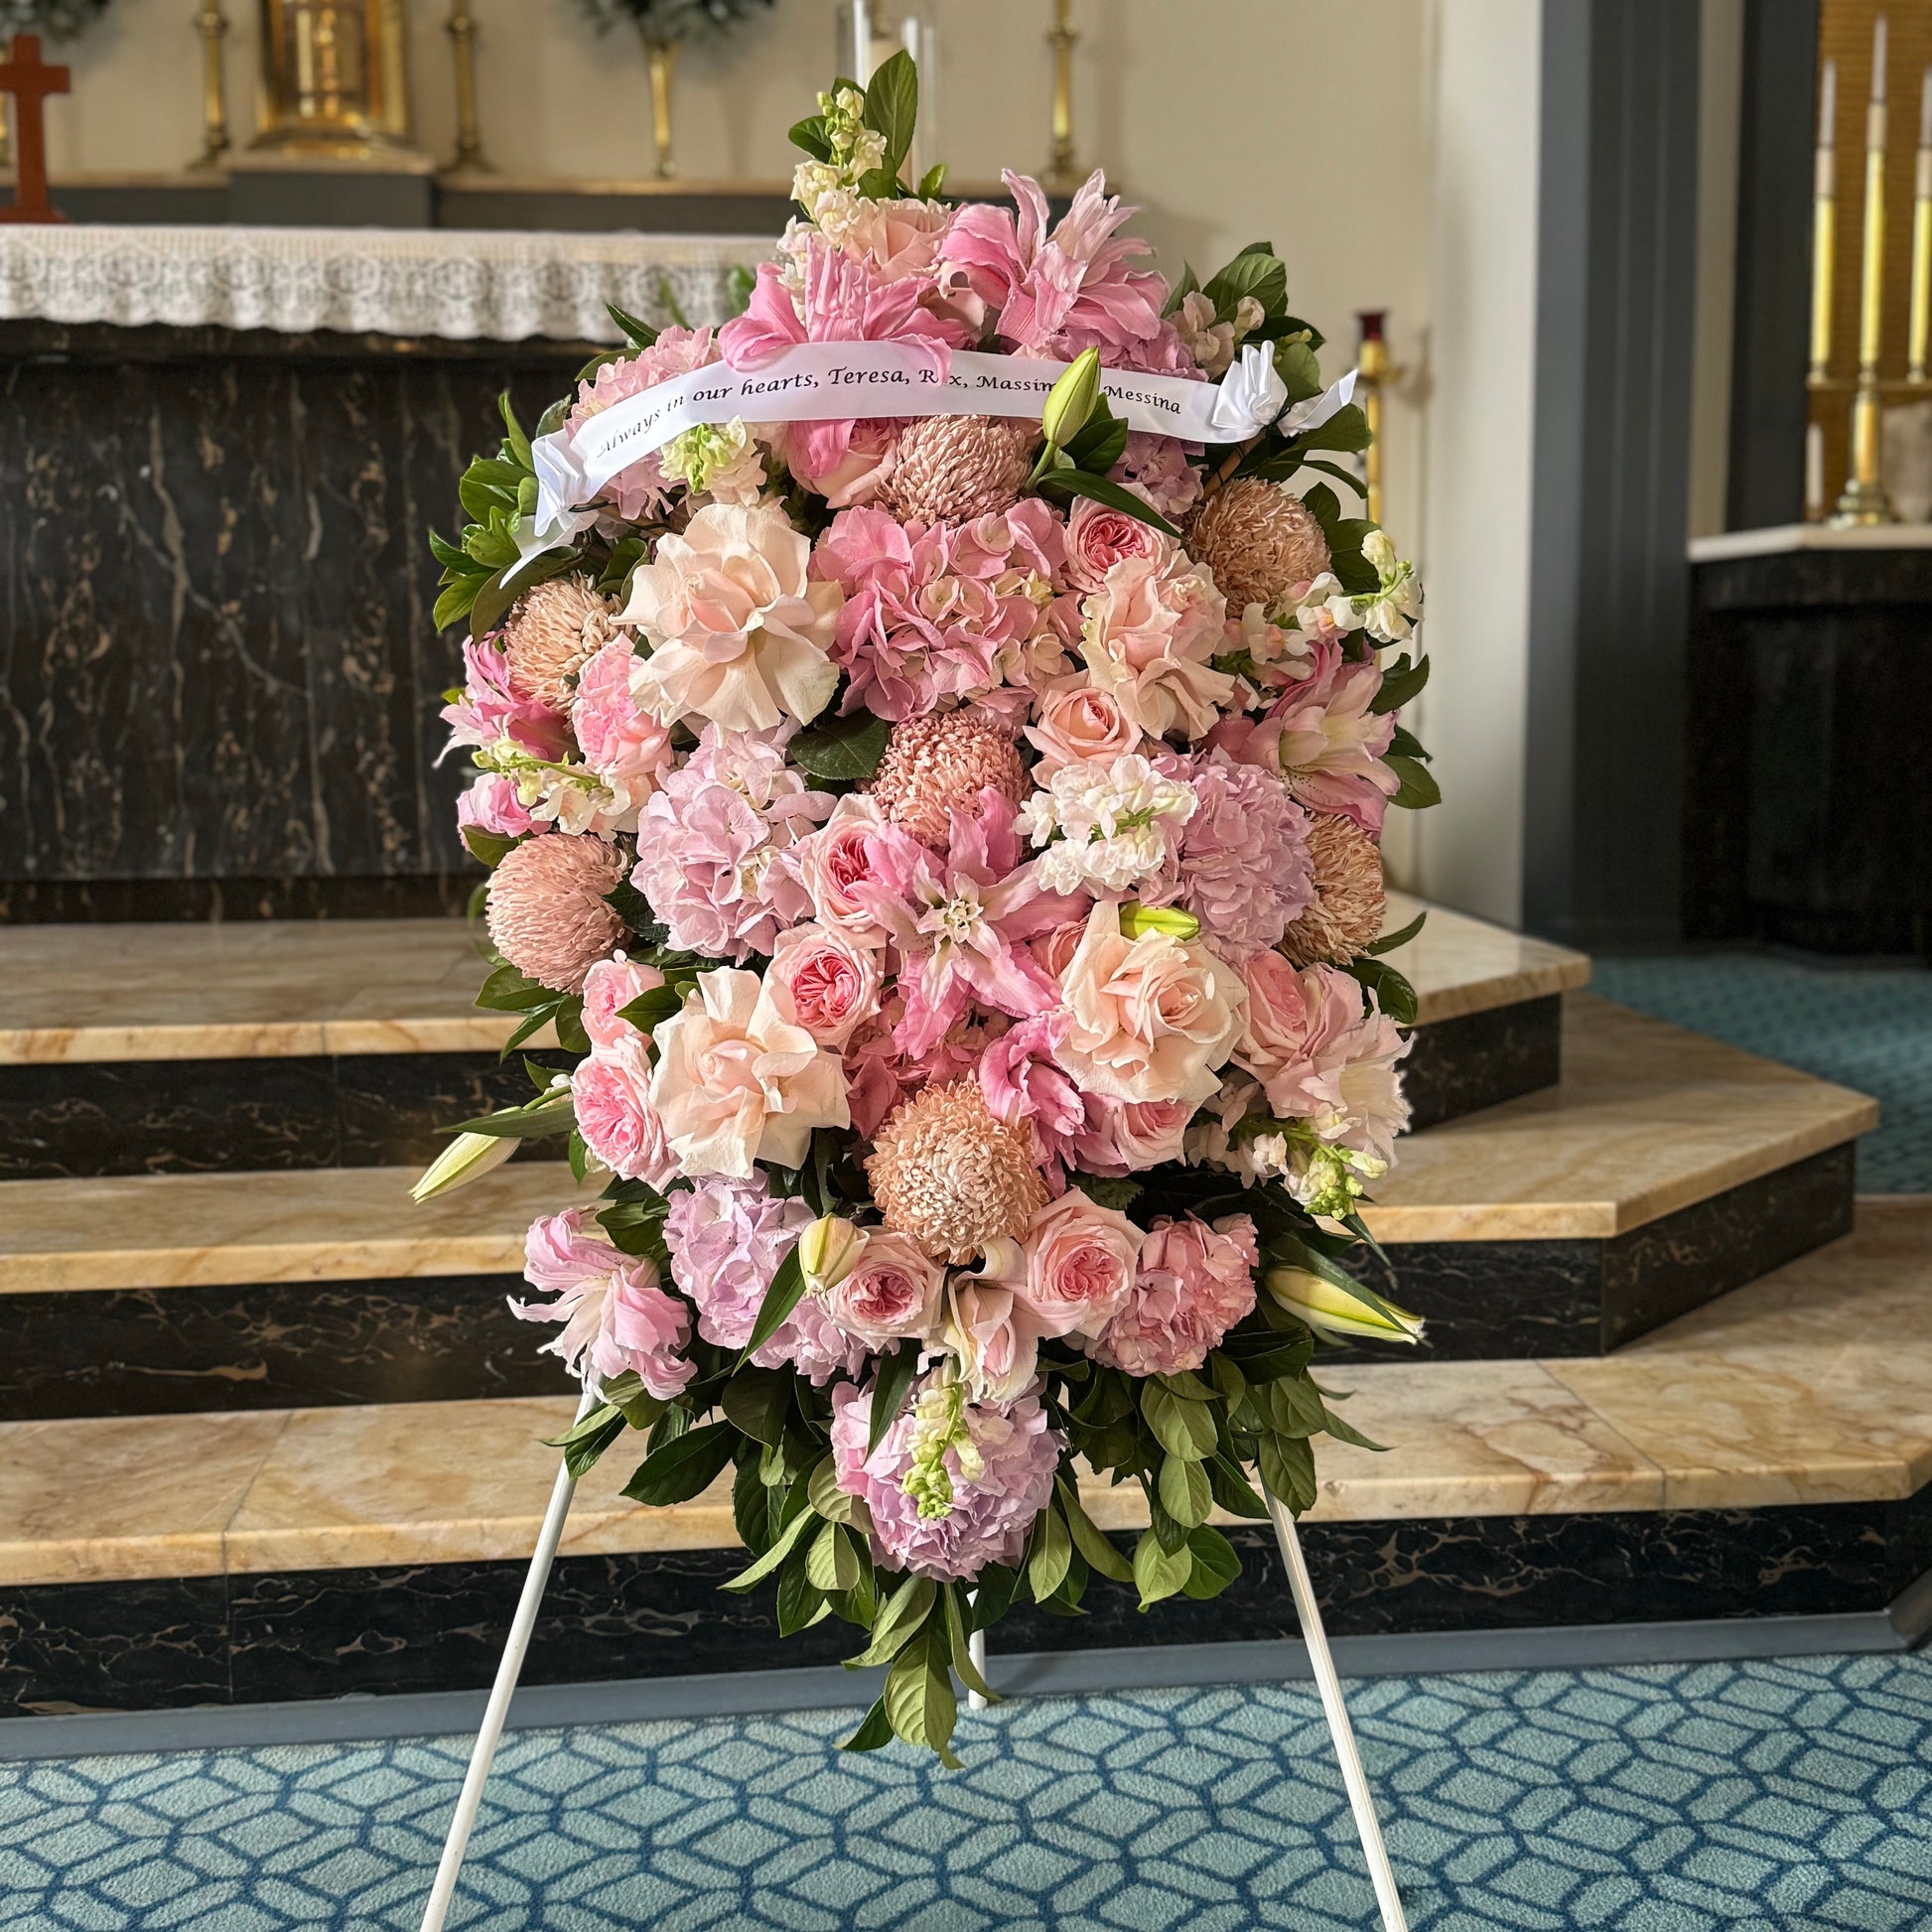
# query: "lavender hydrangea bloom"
(727, 1238)
(709, 844)
(1242, 865)
(1010, 1455)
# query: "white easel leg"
(483, 1754)
(976, 1650)
(1388, 1900)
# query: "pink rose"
(1191, 1284)
(823, 980)
(1055, 950)
(893, 1293)
(1078, 723)
(994, 1334)
(1080, 1259)
(1122, 1137)
(615, 1115)
(622, 741)
(1290, 1013)
(861, 470)
(1097, 538)
(834, 863)
(610, 986)
(1149, 636)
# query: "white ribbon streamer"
(819, 381)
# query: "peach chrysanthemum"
(1349, 902)
(939, 764)
(946, 1173)
(1259, 539)
(553, 629)
(547, 913)
(957, 467)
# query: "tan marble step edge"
(1812, 1386)
(272, 989)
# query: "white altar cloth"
(464, 284)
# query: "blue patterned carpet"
(1869, 1027)
(1793, 1794)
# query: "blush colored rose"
(1055, 950)
(1149, 635)
(1097, 538)
(1078, 723)
(1080, 1259)
(860, 473)
(608, 987)
(614, 1114)
(894, 1292)
(996, 1336)
(835, 861)
(824, 981)
(1122, 1137)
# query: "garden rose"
(1191, 1284)
(610, 1092)
(1080, 1261)
(1080, 721)
(1097, 538)
(735, 1083)
(1147, 638)
(893, 1292)
(610, 986)
(823, 980)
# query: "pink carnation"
(706, 844)
(610, 1304)
(1192, 1283)
(727, 1238)
(622, 742)
(991, 1514)
(1241, 865)
(641, 491)
(610, 1091)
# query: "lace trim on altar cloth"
(460, 283)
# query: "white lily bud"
(1331, 1310)
(828, 1251)
(467, 1157)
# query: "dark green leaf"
(1294, 1407)
(1076, 483)
(889, 1389)
(1346, 1431)
(1256, 272)
(904, 1612)
(801, 1602)
(1118, 1191)
(520, 444)
(758, 1400)
(1288, 1470)
(786, 1541)
(647, 1009)
(845, 750)
(893, 107)
(1346, 430)
(1418, 789)
(787, 1285)
(961, 1650)
(488, 848)
(1399, 682)
(1215, 1564)
(639, 334)
(1357, 483)
(1049, 1551)
(1232, 1489)
(683, 1467)
(992, 1596)
(493, 599)
(527, 1123)
(1404, 744)
(1392, 993)
(1089, 1539)
(873, 1735)
(810, 135)
(1389, 942)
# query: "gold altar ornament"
(1375, 371)
(212, 24)
(1863, 501)
(1062, 170)
(462, 30)
(660, 58)
(333, 82)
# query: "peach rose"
(1078, 723)
(1147, 638)
(1151, 1019)
(740, 633)
(735, 1083)
(1122, 1137)
(871, 454)
(823, 980)
(1289, 1015)
(893, 1292)
(1080, 1259)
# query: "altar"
(220, 451)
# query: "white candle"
(1827, 105)
(1813, 470)
(1878, 63)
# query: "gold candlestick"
(1863, 499)
(213, 26)
(660, 56)
(1922, 324)
(1375, 372)
(1824, 224)
(1062, 170)
(462, 30)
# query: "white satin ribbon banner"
(825, 382)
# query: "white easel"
(1388, 1900)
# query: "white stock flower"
(722, 460)
(1110, 822)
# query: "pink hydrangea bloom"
(491, 806)
(727, 1238)
(610, 1091)
(1241, 863)
(935, 612)
(613, 1311)
(1193, 1283)
(1158, 468)
(622, 742)
(991, 1513)
(1062, 291)
(1324, 738)
(961, 919)
(706, 844)
(640, 490)
(488, 711)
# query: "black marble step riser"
(450, 1337)
(69, 1120)
(127, 1117)
(150, 1645)
(1489, 1300)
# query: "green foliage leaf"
(1184, 1492)
(1258, 272)
(919, 1697)
(683, 1467)
(493, 598)
(1118, 1191)
(961, 1650)
(1076, 483)
(1418, 789)
(786, 1541)
(1347, 431)
(1346, 1431)
(649, 1008)
(1158, 1573)
(787, 1285)
(638, 333)
(1294, 1407)
(1295, 362)
(531, 1122)
(1231, 1489)
(1183, 1428)
(1049, 1552)
(488, 848)
(810, 135)
(520, 444)
(832, 1563)
(1401, 682)
(893, 107)
(904, 1614)
(889, 1389)
(843, 750)
(1216, 1565)
(933, 182)
(801, 1602)
(1089, 1539)
(832, 1502)
(1288, 1470)
(584, 1441)
(1390, 941)
(873, 1735)
(1392, 993)
(758, 1400)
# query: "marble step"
(1665, 1170)
(1768, 1456)
(272, 1045)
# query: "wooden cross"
(23, 75)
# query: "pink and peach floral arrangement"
(948, 847)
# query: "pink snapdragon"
(961, 919)
(727, 1238)
(1059, 292)
(1191, 1284)
(640, 490)
(708, 842)
(614, 1312)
